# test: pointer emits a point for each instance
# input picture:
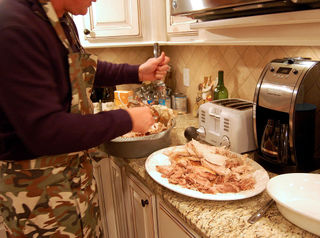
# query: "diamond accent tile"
(251, 57)
(242, 64)
(232, 56)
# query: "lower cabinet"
(109, 176)
(170, 225)
(130, 209)
(149, 216)
(141, 209)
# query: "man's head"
(75, 7)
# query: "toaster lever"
(191, 133)
(201, 131)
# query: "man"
(47, 128)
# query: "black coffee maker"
(286, 116)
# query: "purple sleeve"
(109, 74)
(35, 97)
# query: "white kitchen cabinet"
(124, 21)
(130, 209)
(170, 225)
(111, 197)
(178, 27)
(141, 209)
(289, 28)
(142, 22)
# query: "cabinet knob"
(144, 202)
(174, 4)
(86, 31)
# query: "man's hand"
(154, 68)
(142, 118)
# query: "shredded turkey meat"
(208, 169)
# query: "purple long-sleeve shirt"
(35, 92)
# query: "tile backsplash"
(242, 65)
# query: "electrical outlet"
(186, 77)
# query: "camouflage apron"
(55, 196)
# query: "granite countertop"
(217, 218)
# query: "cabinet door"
(99, 173)
(170, 225)
(107, 19)
(116, 172)
(141, 209)
(112, 208)
(178, 27)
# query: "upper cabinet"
(109, 18)
(290, 28)
(143, 22)
(178, 27)
(124, 21)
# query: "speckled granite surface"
(218, 218)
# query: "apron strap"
(54, 20)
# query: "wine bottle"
(220, 91)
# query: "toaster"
(227, 122)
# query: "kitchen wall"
(242, 64)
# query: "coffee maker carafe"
(286, 116)
(275, 142)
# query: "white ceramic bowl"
(297, 196)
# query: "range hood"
(208, 10)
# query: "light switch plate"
(186, 77)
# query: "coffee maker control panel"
(279, 84)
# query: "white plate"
(158, 158)
(298, 199)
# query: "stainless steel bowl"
(138, 147)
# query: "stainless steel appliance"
(227, 122)
(207, 10)
(286, 115)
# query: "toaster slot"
(226, 102)
(238, 104)
(244, 107)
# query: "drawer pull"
(144, 202)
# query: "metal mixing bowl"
(138, 147)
